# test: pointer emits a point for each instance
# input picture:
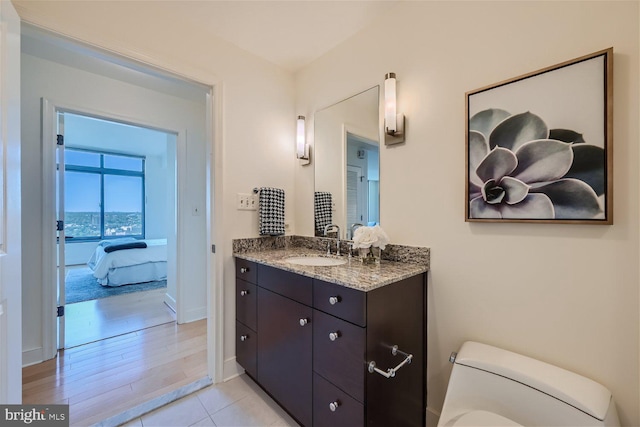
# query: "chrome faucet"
(337, 229)
(354, 227)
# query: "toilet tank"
(522, 389)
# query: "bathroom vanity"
(340, 345)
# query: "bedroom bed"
(126, 261)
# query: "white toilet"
(494, 387)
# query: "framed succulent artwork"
(539, 146)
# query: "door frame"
(50, 251)
(214, 187)
(358, 132)
(10, 208)
(60, 216)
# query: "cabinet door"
(396, 315)
(284, 352)
(246, 344)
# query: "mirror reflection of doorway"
(362, 180)
(117, 185)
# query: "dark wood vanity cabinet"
(284, 352)
(312, 343)
(246, 316)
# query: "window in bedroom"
(104, 195)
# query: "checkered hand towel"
(271, 216)
(322, 210)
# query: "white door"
(10, 208)
(60, 227)
(355, 211)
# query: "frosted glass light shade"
(301, 142)
(390, 106)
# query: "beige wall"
(257, 127)
(566, 294)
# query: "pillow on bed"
(119, 240)
(128, 245)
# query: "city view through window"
(87, 224)
(87, 191)
(104, 192)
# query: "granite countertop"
(353, 274)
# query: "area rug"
(80, 285)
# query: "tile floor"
(238, 402)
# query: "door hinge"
(213, 249)
(59, 225)
(60, 311)
(59, 139)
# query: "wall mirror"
(347, 163)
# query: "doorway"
(362, 181)
(115, 189)
(128, 92)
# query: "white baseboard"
(231, 369)
(31, 357)
(189, 315)
(170, 301)
(195, 314)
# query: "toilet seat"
(484, 419)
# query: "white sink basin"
(318, 261)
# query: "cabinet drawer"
(334, 408)
(298, 288)
(340, 358)
(246, 270)
(246, 345)
(345, 303)
(246, 303)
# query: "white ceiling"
(290, 34)
(51, 47)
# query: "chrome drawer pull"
(303, 321)
(334, 405)
(244, 293)
(334, 300)
(334, 335)
(244, 337)
(244, 270)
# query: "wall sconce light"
(302, 148)
(393, 122)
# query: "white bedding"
(105, 264)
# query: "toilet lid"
(484, 419)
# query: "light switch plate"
(246, 202)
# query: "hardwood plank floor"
(106, 377)
(95, 320)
